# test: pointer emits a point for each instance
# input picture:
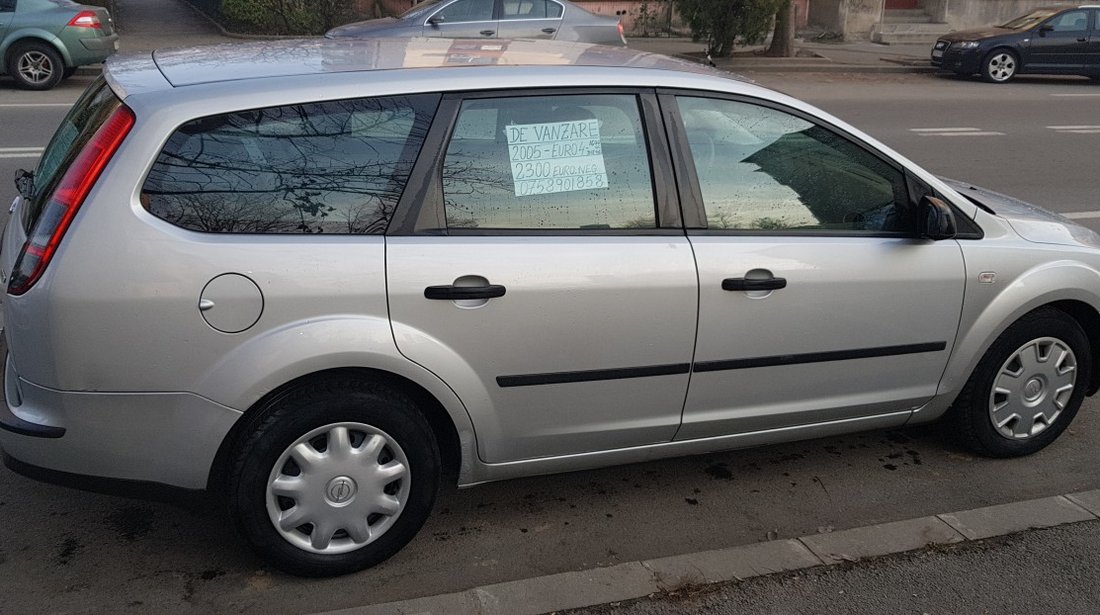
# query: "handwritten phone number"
(560, 184)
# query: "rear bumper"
(92, 50)
(165, 438)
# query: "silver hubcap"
(1032, 388)
(35, 67)
(1002, 66)
(338, 488)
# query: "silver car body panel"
(325, 297)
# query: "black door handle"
(746, 284)
(487, 32)
(454, 293)
(1081, 40)
(549, 30)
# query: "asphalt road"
(67, 551)
(1052, 572)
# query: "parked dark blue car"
(1060, 40)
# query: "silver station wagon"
(320, 278)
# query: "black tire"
(1000, 66)
(35, 65)
(289, 417)
(971, 415)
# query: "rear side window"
(84, 119)
(334, 167)
(530, 9)
(7, 6)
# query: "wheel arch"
(25, 35)
(451, 443)
(1063, 286)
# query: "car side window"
(467, 10)
(572, 162)
(1070, 21)
(334, 167)
(761, 169)
(7, 6)
(530, 9)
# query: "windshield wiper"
(24, 183)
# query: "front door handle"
(751, 284)
(488, 32)
(549, 30)
(456, 293)
(1082, 40)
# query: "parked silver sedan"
(320, 278)
(539, 19)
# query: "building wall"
(966, 14)
(856, 17)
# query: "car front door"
(530, 18)
(1092, 54)
(541, 270)
(463, 19)
(1060, 44)
(818, 302)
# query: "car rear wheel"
(35, 66)
(1000, 66)
(334, 477)
(1027, 387)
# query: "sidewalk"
(858, 56)
(145, 25)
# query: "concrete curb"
(571, 590)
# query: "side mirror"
(1043, 29)
(937, 218)
(436, 20)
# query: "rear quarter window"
(335, 167)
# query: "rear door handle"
(488, 32)
(455, 293)
(549, 30)
(1081, 40)
(747, 284)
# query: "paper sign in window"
(556, 157)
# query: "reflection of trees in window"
(331, 167)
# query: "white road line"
(22, 149)
(26, 155)
(983, 133)
(36, 105)
(1091, 131)
(1081, 127)
(944, 129)
(1082, 215)
(1082, 94)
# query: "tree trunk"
(783, 38)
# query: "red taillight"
(67, 199)
(85, 19)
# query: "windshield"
(85, 117)
(1031, 19)
(419, 9)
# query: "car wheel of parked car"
(1000, 66)
(334, 476)
(35, 66)
(1027, 387)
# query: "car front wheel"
(334, 476)
(35, 66)
(1027, 387)
(1000, 66)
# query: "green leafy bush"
(286, 16)
(721, 23)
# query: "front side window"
(549, 162)
(467, 10)
(7, 6)
(761, 169)
(330, 167)
(1070, 21)
(530, 9)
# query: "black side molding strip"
(14, 424)
(526, 380)
(818, 357)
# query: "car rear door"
(7, 10)
(1092, 54)
(817, 301)
(541, 270)
(1060, 44)
(530, 18)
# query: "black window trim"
(421, 210)
(691, 196)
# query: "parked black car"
(1062, 40)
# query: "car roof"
(285, 58)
